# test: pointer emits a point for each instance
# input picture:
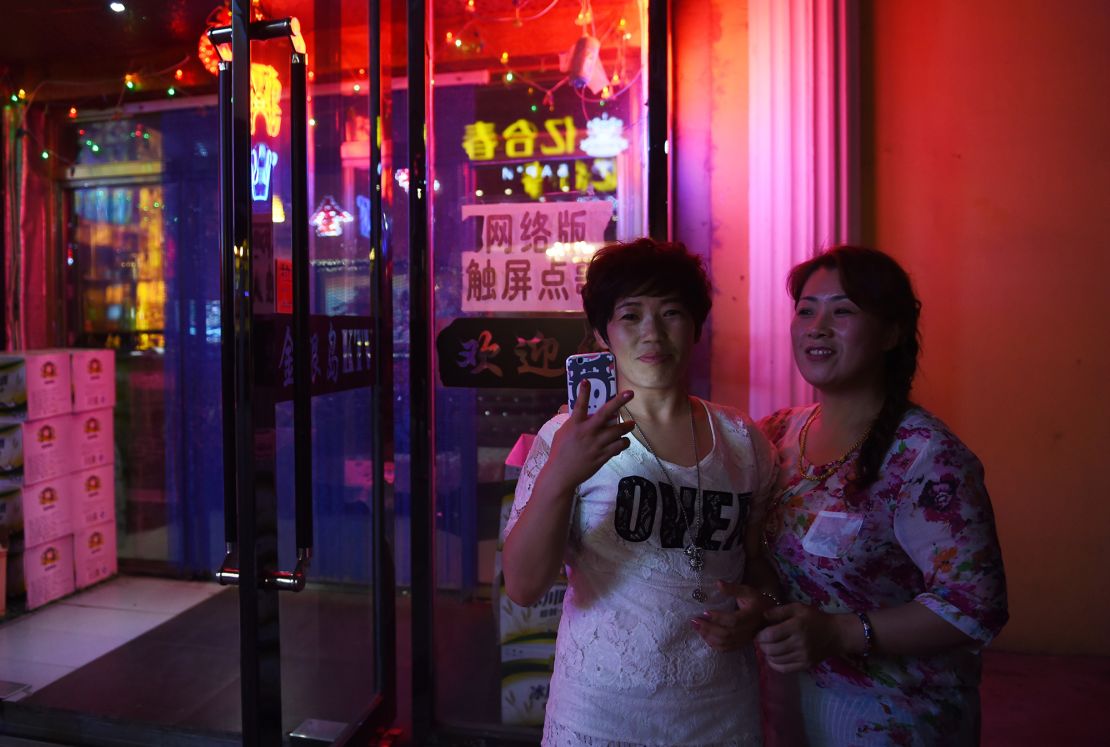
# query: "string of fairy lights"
(166, 80)
(467, 39)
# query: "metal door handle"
(294, 580)
(228, 573)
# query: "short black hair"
(645, 267)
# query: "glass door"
(310, 360)
(538, 153)
(161, 653)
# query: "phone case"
(600, 369)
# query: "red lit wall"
(710, 156)
(987, 172)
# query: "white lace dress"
(630, 670)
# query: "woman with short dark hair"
(655, 531)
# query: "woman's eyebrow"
(837, 297)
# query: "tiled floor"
(189, 635)
(44, 646)
(1027, 700)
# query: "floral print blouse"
(924, 531)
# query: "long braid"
(901, 366)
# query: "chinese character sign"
(339, 351)
(482, 141)
(512, 353)
(523, 263)
(265, 99)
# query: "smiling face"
(837, 346)
(651, 338)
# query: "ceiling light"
(117, 7)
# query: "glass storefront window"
(537, 137)
(538, 133)
(141, 255)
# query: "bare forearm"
(907, 630)
(760, 575)
(534, 549)
(533, 552)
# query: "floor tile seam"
(130, 608)
(21, 660)
(126, 635)
(77, 609)
(93, 639)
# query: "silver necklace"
(695, 555)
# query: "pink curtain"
(32, 294)
(803, 192)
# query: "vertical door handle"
(296, 579)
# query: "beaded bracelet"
(770, 595)
(868, 633)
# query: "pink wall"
(987, 172)
(711, 173)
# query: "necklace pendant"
(695, 556)
(698, 594)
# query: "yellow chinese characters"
(481, 139)
(265, 98)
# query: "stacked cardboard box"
(57, 509)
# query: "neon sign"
(481, 141)
(363, 203)
(330, 217)
(605, 139)
(265, 98)
(539, 178)
(263, 161)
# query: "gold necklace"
(695, 554)
(807, 468)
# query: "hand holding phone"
(600, 370)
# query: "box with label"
(93, 495)
(11, 449)
(92, 436)
(35, 384)
(35, 450)
(15, 586)
(3, 578)
(11, 511)
(535, 624)
(94, 551)
(525, 681)
(93, 372)
(48, 571)
(47, 510)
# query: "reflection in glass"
(539, 133)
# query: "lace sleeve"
(533, 463)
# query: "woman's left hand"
(799, 636)
(731, 630)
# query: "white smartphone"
(600, 369)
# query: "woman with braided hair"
(881, 529)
